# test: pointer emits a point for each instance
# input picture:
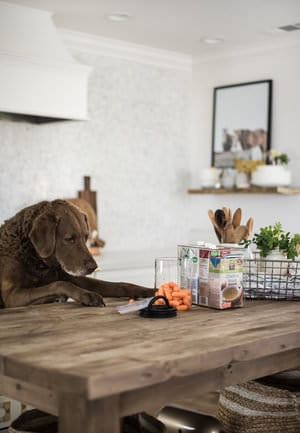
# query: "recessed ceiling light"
(213, 40)
(118, 17)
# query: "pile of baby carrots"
(179, 298)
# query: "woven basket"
(254, 407)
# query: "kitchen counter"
(92, 365)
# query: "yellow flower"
(247, 165)
(274, 153)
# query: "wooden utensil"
(228, 228)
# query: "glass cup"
(165, 270)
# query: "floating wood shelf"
(252, 190)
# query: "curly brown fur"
(14, 235)
(44, 257)
(85, 207)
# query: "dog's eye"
(70, 239)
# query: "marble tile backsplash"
(134, 147)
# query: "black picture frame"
(242, 120)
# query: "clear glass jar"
(165, 271)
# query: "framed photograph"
(241, 122)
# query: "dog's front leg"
(111, 289)
(14, 296)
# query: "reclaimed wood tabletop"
(92, 366)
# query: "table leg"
(78, 415)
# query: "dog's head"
(61, 231)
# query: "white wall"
(282, 65)
(134, 147)
(139, 151)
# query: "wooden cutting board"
(87, 194)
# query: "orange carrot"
(176, 294)
(182, 307)
(159, 302)
(175, 303)
(177, 297)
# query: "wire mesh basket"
(271, 279)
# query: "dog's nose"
(90, 265)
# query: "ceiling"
(179, 25)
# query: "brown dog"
(43, 257)
(86, 208)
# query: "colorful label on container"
(214, 275)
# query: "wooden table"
(92, 365)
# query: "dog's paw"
(91, 299)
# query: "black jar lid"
(158, 311)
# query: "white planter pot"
(275, 263)
(271, 175)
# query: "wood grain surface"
(251, 190)
(49, 351)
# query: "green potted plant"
(275, 171)
(275, 157)
(274, 243)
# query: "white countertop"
(116, 260)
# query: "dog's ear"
(85, 217)
(43, 234)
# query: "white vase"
(242, 180)
(228, 178)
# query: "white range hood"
(38, 76)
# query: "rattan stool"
(257, 407)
